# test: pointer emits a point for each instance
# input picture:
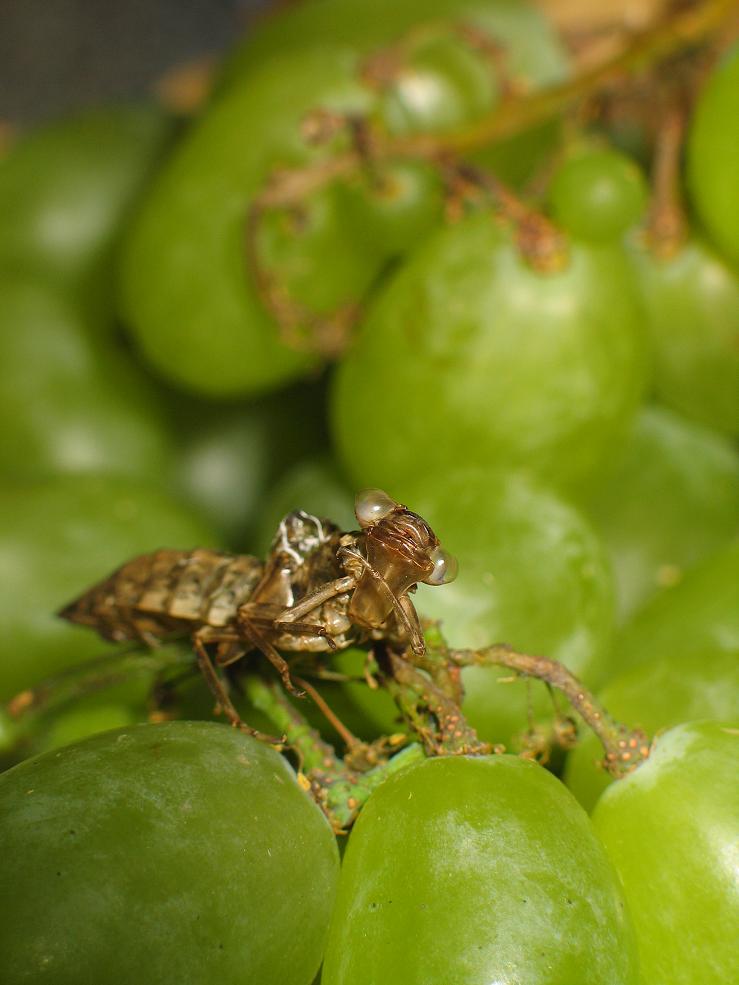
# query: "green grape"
(440, 83)
(179, 852)
(698, 615)
(657, 695)
(191, 302)
(468, 355)
(692, 307)
(393, 207)
(671, 499)
(67, 403)
(477, 869)
(597, 194)
(311, 249)
(670, 830)
(59, 536)
(66, 189)
(713, 156)
(531, 573)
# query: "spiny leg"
(276, 659)
(220, 694)
(295, 629)
(317, 598)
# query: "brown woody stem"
(624, 748)
(667, 226)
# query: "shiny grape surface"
(183, 851)
(477, 869)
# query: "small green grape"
(393, 209)
(442, 82)
(598, 194)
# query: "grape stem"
(624, 748)
(538, 240)
(301, 329)
(667, 228)
(326, 334)
(339, 786)
(680, 30)
(671, 34)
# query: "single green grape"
(597, 194)
(469, 356)
(179, 852)
(477, 869)
(670, 830)
(395, 206)
(292, 242)
(440, 82)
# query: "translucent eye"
(371, 505)
(445, 568)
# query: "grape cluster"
(408, 244)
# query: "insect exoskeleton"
(318, 590)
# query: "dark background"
(58, 55)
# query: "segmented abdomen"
(167, 592)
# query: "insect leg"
(278, 624)
(409, 617)
(219, 692)
(316, 598)
(281, 665)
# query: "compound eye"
(445, 568)
(371, 505)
